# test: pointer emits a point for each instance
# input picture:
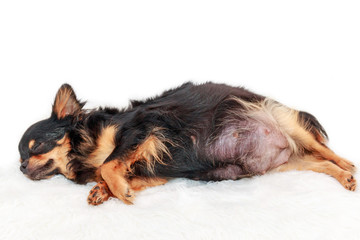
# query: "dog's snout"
(24, 165)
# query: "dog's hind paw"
(348, 181)
(99, 194)
(347, 165)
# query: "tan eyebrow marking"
(31, 143)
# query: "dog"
(208, 132)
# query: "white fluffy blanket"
(292, 205)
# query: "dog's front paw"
(128, 197)
(99, 194)
(348, 181)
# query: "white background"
(306, 54)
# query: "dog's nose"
(24, 165)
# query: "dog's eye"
(38, 147)
(42, 147)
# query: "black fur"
(183, 112)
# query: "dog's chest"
(105, 144)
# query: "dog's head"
(45, 145)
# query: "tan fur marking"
(31, 143)
(61, 102)
(65, 103)
(193, 139)
(140, 183)
(58, 154)
(101, 191)
(114, 173)
(310, 162)
(152, 150)
(105, 145)
(330, 155)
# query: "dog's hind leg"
(310, 162)
(312, 145)
(317, 144)
(327, 154)
(307, 133)
(310, 137)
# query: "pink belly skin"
(258, 146)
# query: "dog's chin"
(42, 172)
(39, 175)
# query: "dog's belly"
(256, 146)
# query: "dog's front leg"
(101, 192)
(114, 174)
(149, 149)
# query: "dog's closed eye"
(37, 146)
(40, 148)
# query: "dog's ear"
(66, 103)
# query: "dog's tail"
(312, 125)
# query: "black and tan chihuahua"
(207, 132)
